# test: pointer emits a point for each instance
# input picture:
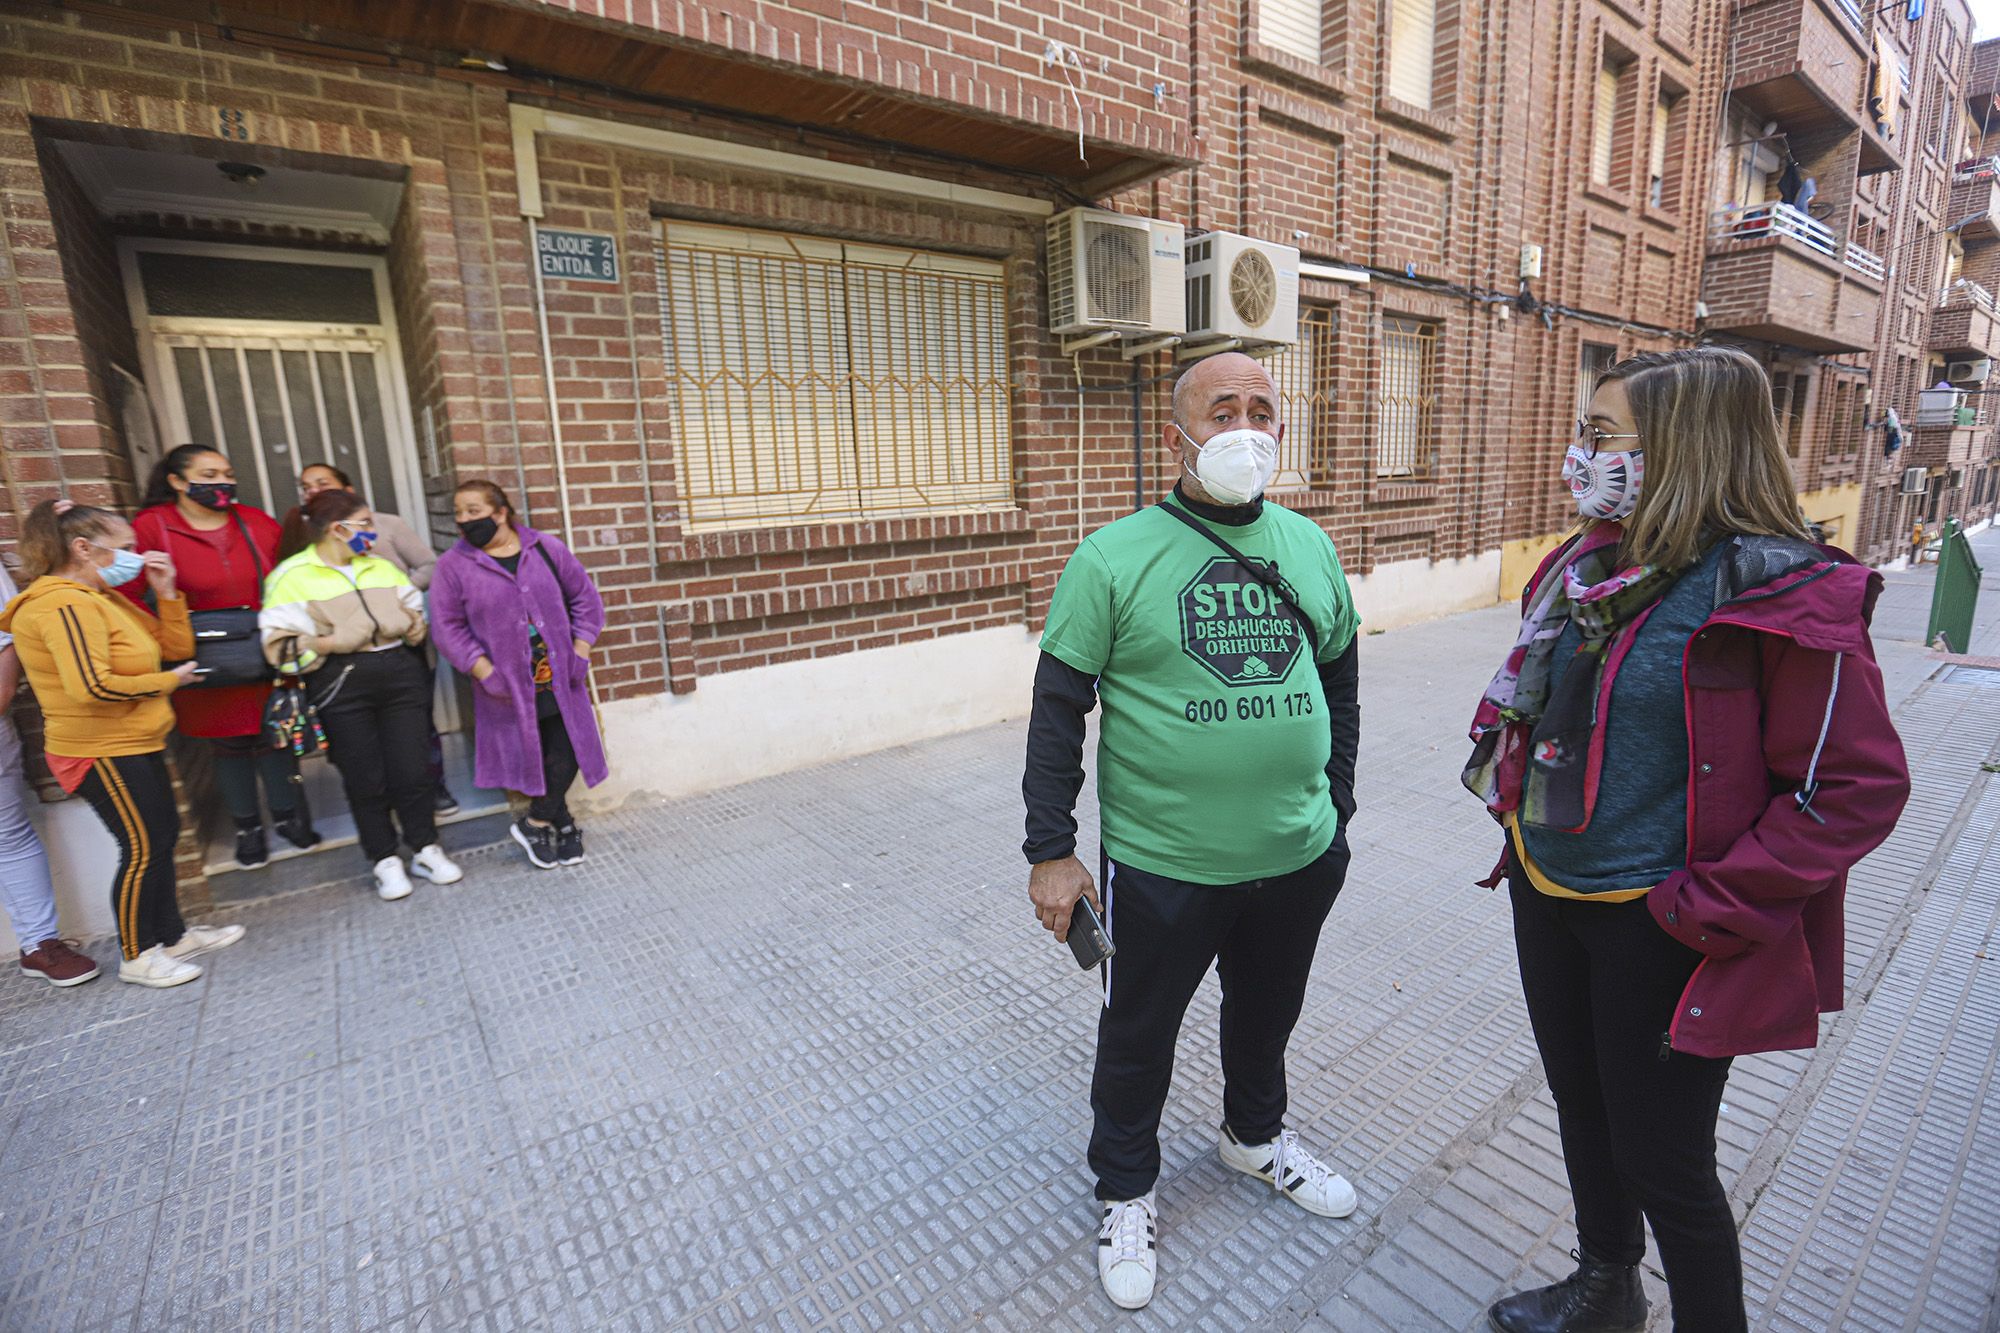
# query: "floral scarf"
(1534, 742)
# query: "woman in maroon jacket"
(223, 550)
(1689, 748)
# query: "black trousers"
(1261, 936)
(559, 770)
(373, 707)
(134, 797)
(239, 762)
(1602, 982)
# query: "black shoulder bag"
(227, 645)
(1264, 573)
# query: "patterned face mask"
(1606, 486)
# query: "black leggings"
(559, 769)
(239, 762)
(1602, 982)
(1260, 936)
(134, 797)
(373, 706)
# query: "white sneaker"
(390, 881)
(157, 967)
(1127, 1251)
(196, 940)
(435, 866)
(1292, 1171)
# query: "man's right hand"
(1054, 887)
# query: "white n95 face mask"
(1236, 465)
(1606, 486)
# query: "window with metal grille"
(1406, 424)
(1304, 374)
(1292, 26)
(817, 381)
(1412, 73)
(1595, 359)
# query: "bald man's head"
(1220, 393)
(1214, 379)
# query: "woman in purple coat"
(514, 610)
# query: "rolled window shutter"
(1291, 26)
(1603, 125)
(1412, 51)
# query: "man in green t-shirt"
(1225, 779)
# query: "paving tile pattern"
(794, 1056)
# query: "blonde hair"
(1714, 463)
(47, 532)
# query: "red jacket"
(215, 570)
(1795, 773)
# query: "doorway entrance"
(282, 359)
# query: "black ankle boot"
(297, 826)
(1597, 1298)
(251, 849)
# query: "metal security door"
(281, 404)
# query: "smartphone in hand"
(1088, 939)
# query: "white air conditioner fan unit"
(1969, 372)
(1116, 272)
(1916, 480)
(1238, 287)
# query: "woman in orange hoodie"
(94, 660)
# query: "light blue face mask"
(124, 567)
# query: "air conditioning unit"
(1114, 271)
(1242, 288)
(1916, 480)
(1969, 372)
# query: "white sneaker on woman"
(390, 881)
(435, 866)
(196, 940)
(1292, 1171)
(1128, 1251)
(157, 967)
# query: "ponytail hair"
(180, 458)
(47, 533)
(328, 508)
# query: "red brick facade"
(1436, 203)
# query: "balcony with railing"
(1950, 428)
(1778, 274)
(1974, 210)
(1803, 63)
(1966, 323)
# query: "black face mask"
(479, 531)
(212, 494)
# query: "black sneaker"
(444, 803)
(539, 841)
(251, 848)
(297, 826)
(569, 845)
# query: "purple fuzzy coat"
(478, 609)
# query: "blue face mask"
(124, 567)
(362, 539)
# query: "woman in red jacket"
(223, 550)
(1689, 748)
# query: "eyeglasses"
(1592, 439)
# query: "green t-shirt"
(1215, 737)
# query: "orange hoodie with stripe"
(93, 660)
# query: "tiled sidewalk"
(795, 1056)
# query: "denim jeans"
(25, 887)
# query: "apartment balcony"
(1982, 84)
(1777, 275)
(1965, 325)
(1803, 63)
(1974, 210)
(1947, 446)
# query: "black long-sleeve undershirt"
(1064, 696)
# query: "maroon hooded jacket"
(1795, 773)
